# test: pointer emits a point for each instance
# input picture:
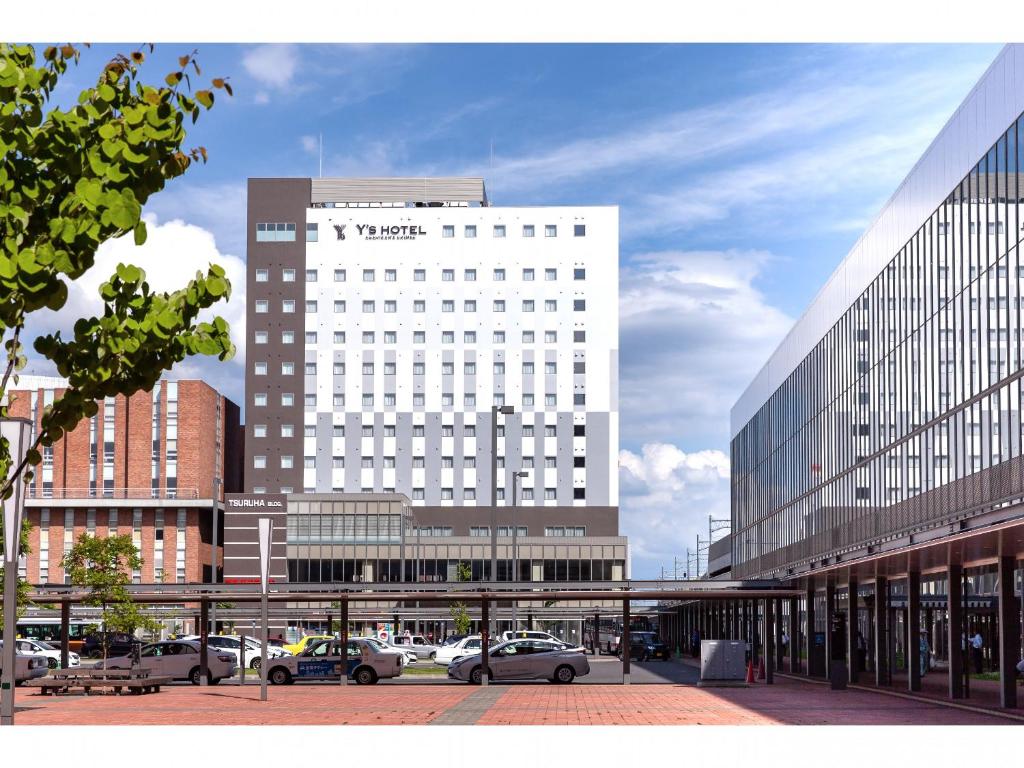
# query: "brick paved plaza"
(787, 702)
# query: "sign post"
(265, 529)
(18, 433)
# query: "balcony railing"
(113, 493)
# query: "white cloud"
(173, 252)
(272, 65)
(694, 330)
(666, 497)
(310, 144)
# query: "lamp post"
(505, 410)
(18, 433)
(516, 477)
(266, 526)
(213, 553)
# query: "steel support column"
(770, 641)
(809, 622)
(65, 627)
(852, 625)
(881, 631)
(485, 666)
(912, 652)
(780, 651)
(204, 634)
(1009, 632)
(794, 636)
(343, 636)
(624, 642)
(954, 606)
(830, 613)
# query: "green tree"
(103, 564)
(23, 586)
(460, 616)
(71, 179)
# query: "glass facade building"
(904, 414)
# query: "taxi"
(366, 660)
(303, 642)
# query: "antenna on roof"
(321, 155)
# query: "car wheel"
(195, 676)
(433, 655)
(365, 676)
(280, 676)
(564, 674)
(476, 676)
(52, 663)
(255, 663)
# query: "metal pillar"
(954, 606)
(204, 634)
(624, 642)
(830, 612)
(597, 634)
(484, 642)
(780, 651)
(1009, 632)
(881, 631)
(265, 631)
(771, 640)
(794, 636)
(809, 621)
(852, 625)
(344, 639)
(755, 634)
(65, 626)
(912, 652)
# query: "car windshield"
(376, 644)
(643, 637)
(45, 646)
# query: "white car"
(446, 654)
(530, 634)
(366, 660)
(178, 660)
(417, 644)
(26, 666)
(49, 652)
(523, 660)
(233, 644)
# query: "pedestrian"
(862, 652)
(976, 646)
(924, 652)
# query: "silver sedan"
(523, 660)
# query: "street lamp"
(265, 527)
(505, 410)
(18, 433)
(516, 476)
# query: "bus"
(611, 631)
(49, 630)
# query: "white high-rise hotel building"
(387, 317)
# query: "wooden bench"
(66, 680)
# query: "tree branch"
(13, 361)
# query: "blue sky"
(744, 174)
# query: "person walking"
(976, 645)
(925, 651)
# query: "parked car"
(118, 644)
(646, 645)
(47, 651)
(529, 634)
(452, 640)
(416, 643)
(299, 646)
(446, 654)
(26, 666)
(233, 644)
(366, 660)
(179, 660)
(523, 660)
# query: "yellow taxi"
(300, 646)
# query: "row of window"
(499, 230)
(419, 369)
(418, 399)
(418, 462)
(369, 306)
(419, 430)
(447, 494)
(418, 275)
(521, 530)
(419, 337)
(285, 231)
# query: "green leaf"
(140, 233)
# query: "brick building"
(154, 466)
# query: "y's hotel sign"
(383, 232)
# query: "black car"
(118, 644)
(646, 645)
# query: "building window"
(499, 398)
(338, 400)
(527, 275)
(310, 369)
(288, 306)
(470, 230)
(418, 430)
(338, 430)
(527, 230)
(550, 400)
(469, 494)
(528, 337)
(367, 462)
(287, 369)
(419, 275)
(499, 230)
(260, 399)
(528, 399)
(339, 337)
(262, 275)
(499, 275)
(551, 305)
(309, 462)
(448, 230)
(369, 275)
(499, 369)
(447, 275)
(419, 306)
(579, 399)
(369, 307)
(549, 494)
(469, 306)
(469, 337)
(447, 398)
(309, 400)
(579, 337)
(368, 337)
(419, 337)
(579, 305)
(469, 400)
(390, 275)
(287, 337)
(339, 275)
(311, 337)
(419, 369)
(550, 274)
(550, 230)
(448, 306)
(287, 399)
(447, 337)
(287, 275)
(579, 274)
(550, 368)
(446, 494)
(527, 494)
(259, 430)
(389, 398)
(470, 276)
(279, 232)
(262, 306)
(499, 305)
(579, 493)
(339, 306)
(579, 230)
(527, 462)
(261, 337)
(550, 430)
(498, 337)
(550, 337)
(469, 431)
(309, 430)
(312, 233)
(259, 462)
(260, 369)
(527, 305)
(579, 367)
